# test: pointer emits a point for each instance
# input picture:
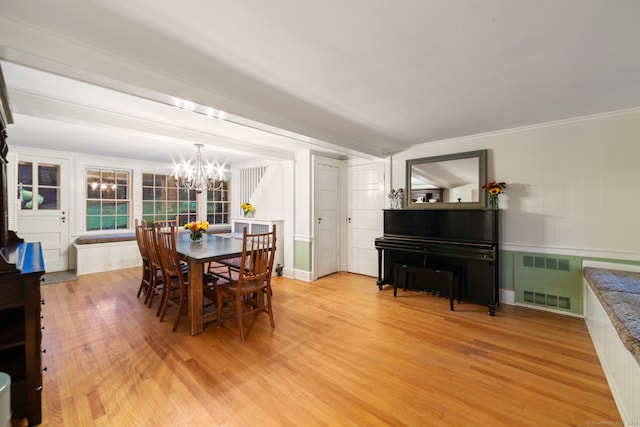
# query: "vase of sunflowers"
(247, 210)
(494, 189)
(196, 228)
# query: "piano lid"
(459, 225)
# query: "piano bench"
(405, 275)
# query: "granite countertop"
(619, 294)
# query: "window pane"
(147, 208)
(93, 208)
(26, 197)
(93, 223)
(172, 207)
(108, 222)
(123, 223)
(161, 208)
(121, 192)
(159, 193)
(123, 208)
(25, 173)
(172, 193)
(147, 179)
(107, 192)
(108, 208)
(49, 175)
(93, 190)
(108, 177)
(147, 193)
(122, 178)
(50, 199)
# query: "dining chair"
(145, 282)
(175, 277)
(250, 292)
(156, 283)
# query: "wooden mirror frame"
(480, 155)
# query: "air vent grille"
(547, 263)
(547, 300)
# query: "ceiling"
(147, 79)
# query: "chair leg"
(180, 305)
(268, 297)
(163, 297)
(142, 282)
(153, 286)
(238, 300)
(219, 306)
(164, 304)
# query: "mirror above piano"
(447, 182)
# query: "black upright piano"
(463, 241)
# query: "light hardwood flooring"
(343, 353)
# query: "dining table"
(212, 247)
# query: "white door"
(43, 208)
(326, 213)
(364, 223)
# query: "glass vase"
(248, 214)
(196, 237)
(493, 201)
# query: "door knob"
(319, 220)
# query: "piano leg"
(380, 281)
(492, 309)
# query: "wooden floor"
(342, 353)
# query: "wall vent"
(547, 263)
(547, 300)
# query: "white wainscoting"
(98, 257)
(620, 366)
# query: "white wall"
(573, 187)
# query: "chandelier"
(198, 175)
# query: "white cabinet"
(259, 225)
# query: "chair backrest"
(150, 242)
(165, 224)
(257, 257)
(169, 258)
(142, 245)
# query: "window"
(218, 204)
(108, 199)
(45, 192)
(162, 199)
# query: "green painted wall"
(302, 255)
(546, 280)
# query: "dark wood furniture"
(463, 242)
(21, 269)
